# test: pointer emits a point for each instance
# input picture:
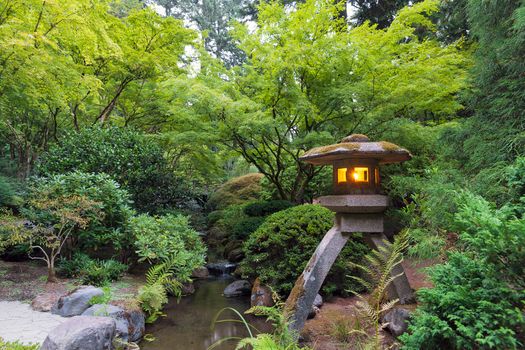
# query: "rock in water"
(397, 320)
(82, 333)
(188, 288)
(76, 302)
(238, 288)
(261, 295)
(200, 272)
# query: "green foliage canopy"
(309, 78)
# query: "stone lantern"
(359, 207)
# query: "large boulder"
(76, 302)
(396, 320)
(81, 333)
(130, 324)
(261, 295)
(237, 288)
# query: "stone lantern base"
(369, 221)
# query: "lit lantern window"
(360, 174)
(341, 175)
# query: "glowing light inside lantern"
(360, 174)
(341, 175)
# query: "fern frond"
(388, 305)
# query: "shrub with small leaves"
(281, 247)
(478, 294)
(265, 208)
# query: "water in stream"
(187, 325)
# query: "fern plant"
(160, 281)
(378, 272)
(281, 339)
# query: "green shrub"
(229, 218)
(468, 308)
(128, 157)
(74, 267)
(281, 247)
(92, 271)
(213, 217)
(8, 345)
(113, 200)
(478, 294)
(8, 195)
(265, 208)
(169, 236)
(245, 226)
(236, 191)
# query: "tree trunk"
(51, 277)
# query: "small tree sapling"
(49, 224)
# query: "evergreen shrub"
(281, 247)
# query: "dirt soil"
(328, 329)
(25, 280)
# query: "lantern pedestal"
(301, 298)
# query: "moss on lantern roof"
(349, 146)
(389, 146)
(357, 146)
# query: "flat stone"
(44, 302)
(82, 333)
(18, 322)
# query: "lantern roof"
(357, 146)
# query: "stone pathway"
(19, 322)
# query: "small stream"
(187, 325)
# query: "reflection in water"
(187, 325)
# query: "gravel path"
(19, 322)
